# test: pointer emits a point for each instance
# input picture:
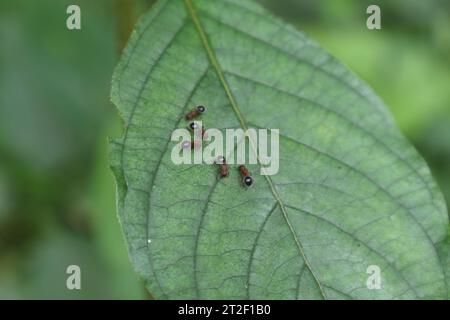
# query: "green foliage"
(351, 191)
(56, 190)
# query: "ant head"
(201, 109)
(220, 160)
(193, 125)
(248, 181)
(186, 144)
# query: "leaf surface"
(351, 191)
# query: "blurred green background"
(57, 204)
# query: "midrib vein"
(218, 69)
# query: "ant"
(194, 126)
(195, 113)
(224, 169)
(190, 144)
(247, 180)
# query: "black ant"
(195, 113)
(247, 180)
(224, 169)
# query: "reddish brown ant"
(195, 113)
(194, 126)
(247, 179)
(224, 169)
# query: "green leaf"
(351, 191)
(444, 254)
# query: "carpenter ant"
(224, 169)
(247, 179)
(195, 113)
(194, 126)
